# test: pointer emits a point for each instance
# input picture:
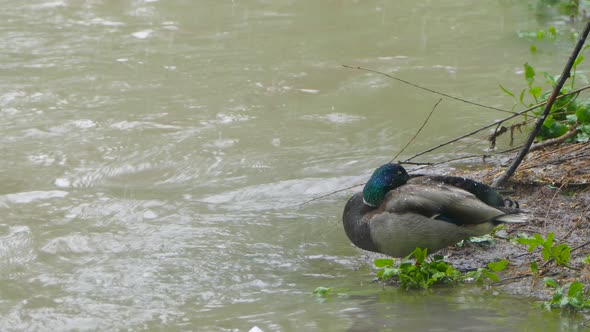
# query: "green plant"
(574, 300)
(487, 273)
(420, 274)
(323, 291)
(567, 112)
(558, 252)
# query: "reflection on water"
(155, 155)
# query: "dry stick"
(580, 246)
(329, 194)
(427, 89)
(417, 132)
(556, 140)
(545, 154)
(527, 145)
(494, 123)
(513, 278)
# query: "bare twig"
(564, 76)
(495, 123)
(427, 89)
(573, 227)
(580, 246)
(418, 131)
(417, 164)
(329, 194)
(554, 141)
(513, 278)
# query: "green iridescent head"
(384, 179)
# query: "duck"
(395, 213)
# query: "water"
(154, 153)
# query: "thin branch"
(564, 76)
(329, 194)
(417, 132)
(418, 164)
(495, 123)
(580, 219)
(554, 141)
(427, 89)
(513, 278)
(580, 246)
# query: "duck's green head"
(384, 179)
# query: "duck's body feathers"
(428, 212)
(430, 201)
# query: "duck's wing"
(440, 201)
(482, 191)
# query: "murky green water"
(153, 153)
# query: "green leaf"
(498, 266)
(405, 266)
(576, 290)
(552, 129)
(548, 121)
(529, 73)
(549, 242)
(583, 114)
(439, 266)
(383, 262)
(579, 59)
(534, 267)
(506, 91)
(388, 273)
(491, 275)
(571, 119)
(582, 137)
(533, 49)
(438, 275)
(453, 272)
(420, 255)
(535, 92)
(552, 31)
(561, 254)
(585, 128)
(322, 291)
(531, 242)
(521, 97)
(550, 282)
(549, 78)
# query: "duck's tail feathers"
(517, 218)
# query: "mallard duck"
(396, 213)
